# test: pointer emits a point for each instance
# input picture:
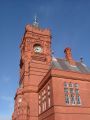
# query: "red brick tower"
(34, 64)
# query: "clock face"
(37, 49)
(20, 100)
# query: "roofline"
(74, 75)
(64, 74)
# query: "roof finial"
(52, 52)
(35, 23)
(53, 58)
(81, 59)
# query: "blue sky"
(69, 21)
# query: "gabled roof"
(63, 64)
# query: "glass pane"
(39, 97)
(67, 99)
(78, 100)
(76, 85)
(49, 102)
(39, 109)
(70, 84)
(66, 90)
(72, 99)
(77, 91)
(48, 87)
(71, 90)
(48, 93)
(65, 84)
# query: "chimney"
(68, 56)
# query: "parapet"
(38, 30)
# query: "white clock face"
(37, 49)
(20, 100)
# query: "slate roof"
(63, 64)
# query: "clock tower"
(35, 62)
(35, 54)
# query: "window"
(66, 90)
(67, 99)
(76, 91)
(76, 85)
(49, 102)
(72, 99)
(72, 95)
(65, 84)
(70, 84)
(78, 100)
(39, 104)
(71, 90)
(44, 99)
(49, 99)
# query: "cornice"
(70, 75)
(64, 74)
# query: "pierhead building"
(50, 88)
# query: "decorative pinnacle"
(35, 23)
(81, 59)
(52, 52)
(53, 58)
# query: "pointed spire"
(35, 23)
